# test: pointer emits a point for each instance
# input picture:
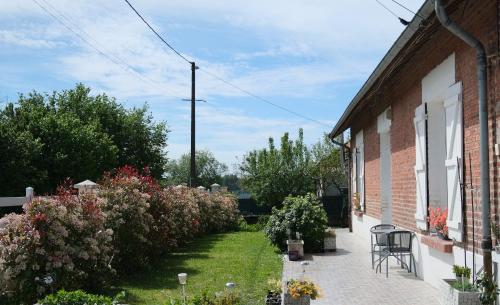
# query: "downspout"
(472, 41)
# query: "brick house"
(413, 126)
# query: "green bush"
(304, 214)
(77, 297)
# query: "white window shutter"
(454, 140)
(354, 172)
(361, 168)
(421, 167)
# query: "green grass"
(245, 258)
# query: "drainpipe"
(472, 41)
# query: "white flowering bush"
(58, 242)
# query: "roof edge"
(424, 12)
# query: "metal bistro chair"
(380, 240)
(399, 246)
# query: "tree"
(208, 169)
(74, 134)
(328, 169)
(272, 174)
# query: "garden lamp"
(230, 285)
(183, 280)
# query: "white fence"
(17, 201)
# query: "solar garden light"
(303, 264)
(183, 280)
(230, 286)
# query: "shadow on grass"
(162, 274)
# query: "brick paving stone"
(346, 277)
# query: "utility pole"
(192, 175)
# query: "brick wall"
(402, 91)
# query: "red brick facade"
(402, 90)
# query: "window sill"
(436, 243)
(358, 213)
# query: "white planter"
(330, 244)
(296, 245)
(451, 296)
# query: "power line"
(263, 99)
(406, 8)
(221, 79)
(403, 21)
(112, 58)
(156, 33)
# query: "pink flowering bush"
(56, 243)
(218, 211)
(126, 209)
(75, 241)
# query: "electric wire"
(388, 9)
(261, 98)
(220, 78)
(407, 9)
(156, 33)
(112, 58)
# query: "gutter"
(472, 41)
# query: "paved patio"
(346, 277)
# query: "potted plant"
(356, 202)
(459, 291)
(495, 229)
(300, 292)
(274, 290)
(437, 220)
(330, 240)
(462, 274)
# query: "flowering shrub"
(437, 220)
(71, 242)
(218, 211)
(58, 242)
(126, 209)
(183, 219)
(304, 214)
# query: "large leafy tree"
(46, 138)
(328, 169)
(208, 169)
(271, 174)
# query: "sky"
(310, 57)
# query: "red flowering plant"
(437, 220)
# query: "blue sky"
(308, 56)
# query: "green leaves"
(46, 138)
(271, 174)
(303, 214)
(209, 170)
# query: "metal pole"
(192, 173)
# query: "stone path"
(346, 277)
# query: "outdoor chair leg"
(372, 249)
(414, 265)
(387, 267)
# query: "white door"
(385, 177)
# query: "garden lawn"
(245, 258)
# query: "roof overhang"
(423, 14)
